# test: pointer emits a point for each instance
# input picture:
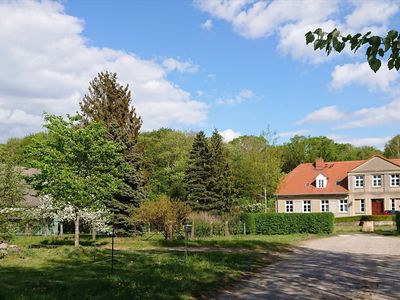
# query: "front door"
(377, 206)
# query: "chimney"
(319, 164)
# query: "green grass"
(60, 271)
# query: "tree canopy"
(78, 164)
(110, 104)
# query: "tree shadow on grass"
(68, 273)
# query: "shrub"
(348, 219)
(398, 222)
(365, 218)
(250, 221)
(378, 218)
(205, 224)
(164, 215)
(280, 223)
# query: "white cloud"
(378, 142)
(371, 116)
(49, 66)
(289, 134)
(325, 114)
(207, 24)
(291, 19)
(229, 134)
(243, 95)
(360, 73)
(370, 12)
(171, 64)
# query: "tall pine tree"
(198, 174)
(109, 102)
(221, 181)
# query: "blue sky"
(241, 66)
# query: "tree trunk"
(26, 229)
(192, 231)
(76, 239)
(227, 228)
(61, 228)
(93, 231)
(265, 199)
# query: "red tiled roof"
(301, 180)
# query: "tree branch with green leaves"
(378, 46)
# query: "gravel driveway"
(354, 266)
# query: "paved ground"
(357, 266)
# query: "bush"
(250, 221)
(398, 222)
(348, 219)
(365, 218)
(205, 224)
(281, 223)
(378, 218)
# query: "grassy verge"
(64, 272)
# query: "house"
(346, 188)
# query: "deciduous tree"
(78, 165)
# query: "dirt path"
(358, 266)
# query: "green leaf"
(319, 32)
(317, 43)
(374, 63)
(381, 52)
(309, 37)
(390, 63)
(392, 34)
(397, 64)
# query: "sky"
(241, 66)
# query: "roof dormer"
(321, 181)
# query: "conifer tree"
(198, 174)
(109, 103)
(221, 181)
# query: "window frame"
(375, 180)
(306, 206)
(343, 205)
(324, 204)
(393, 203)
(396, 179)
(359, 181)
(289, 206)
(362, 205)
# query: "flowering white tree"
(49, 210)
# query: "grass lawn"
(145, 268)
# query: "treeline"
(100, 160)
(251, 166)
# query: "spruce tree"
(221, 181)
(198, 174)
(109, 102)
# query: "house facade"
(345, 188)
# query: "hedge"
(398, 222)
(365, 218)
(282, 223)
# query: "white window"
(393, 204)
(321, 181)
(306, 206)
(362, 205)
(359, 181)
(376, 180)
(289, 206)
(324, 205)
(343, 206)
(395, 180)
